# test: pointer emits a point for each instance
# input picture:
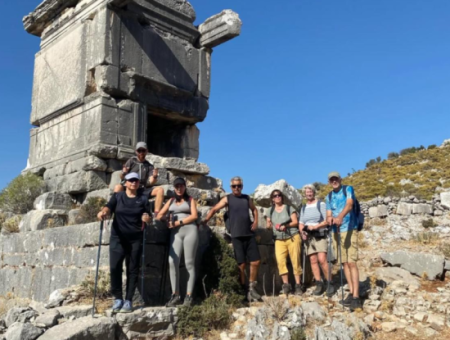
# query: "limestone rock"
(390, 274)
(292, 196)
(73, 215)
(404, 208)
(422, 209)
(23, 331)
(48, 319)
(388, 326)
(184, 165)
(220, 28)
(104, 193)
(313, 310)
(84, 328)
(379, 211)
(445, 199)
(43, 219)
(417, 263)
(56, 298)
(75, 311)
(19, 314)
(53, 200)
(437, 322)
(153, 322)
(94, 163)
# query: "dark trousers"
(129, 251)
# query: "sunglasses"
(179, 186)
(237, 186)
(141, 150)
(334, 179)
(276, 195)
(133, 180)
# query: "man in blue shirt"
(341, 216)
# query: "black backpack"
(356, 209)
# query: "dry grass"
(10, 301)
(362, 243)
(103, 285)
(11, 225)
(445, 249)
(377, 221)
(426, 237)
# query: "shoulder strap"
(319, 202)
(271, 211)
(329, 196)
(288, 209)
(344, 188)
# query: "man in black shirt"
(147, 173)
(242, 232)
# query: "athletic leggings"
(130, 251)
(184, 237)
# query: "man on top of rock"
(341, 217)
(242, 232)
(147, 173)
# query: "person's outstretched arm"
(222, 204)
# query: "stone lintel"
(220, 28)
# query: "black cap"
(179, 180)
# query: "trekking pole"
(329, 261)
(143, 263)
(304, 264)
(340, 260)
(98, 265)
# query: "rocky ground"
(403, 281)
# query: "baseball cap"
(132, 175)
(141, 145)
(334, 174)
(179, 180)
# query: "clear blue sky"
(310, 86)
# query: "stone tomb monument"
(110, 73)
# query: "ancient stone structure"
(111, 73)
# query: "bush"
(392, 155)
(432, 146)
(20, 193)
(445, 249)
(429, 223)
(426, 237)
(11, 225)
(298, 334)
(213, 314)
(89, 210)
(103, 285)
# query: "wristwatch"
(181, 222)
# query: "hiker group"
(318, 230)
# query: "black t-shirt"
(238, 211)
(128, 214)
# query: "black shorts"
(245, 249)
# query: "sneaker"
(320, 288)
(252, 294)
(330, 289)
(174, 301)
(347, 301)
(286, 288)
(355, 304)
(127, 307)
(299, 289)
(118, 303)
(187, 301)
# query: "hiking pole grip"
(98, 265)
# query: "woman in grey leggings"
(184, 235)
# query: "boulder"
(73, 215)
(48, 319)
(437, 322)
(94, 163)
(104, 193)
(391, 274)
(431, 266)
(445, 199)
(220, 28)
(189, 166)
(379, 211)
(19, 314)
(84, 328)
(75, 311)
(313, 310)
(404, 208)
(422, 209)
(115, 179)
(291, 195)
(56, 298)
(43, 219)
(23, 331)
(53, 200)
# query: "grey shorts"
(316, 245)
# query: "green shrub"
(432, 146)
(89, 210)
(103, 285)
(11, 225)
(429, 223)
(298, 334)
(20, 193)
(392, 155)
(213, 314)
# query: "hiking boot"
(355, 304)
(174, 301)
(286, 288)
(252, 294)
(320, 288)
(347, 301)
(187, 301)
(118, 303)
(299, 289)
(127, 307)
(330, 289)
